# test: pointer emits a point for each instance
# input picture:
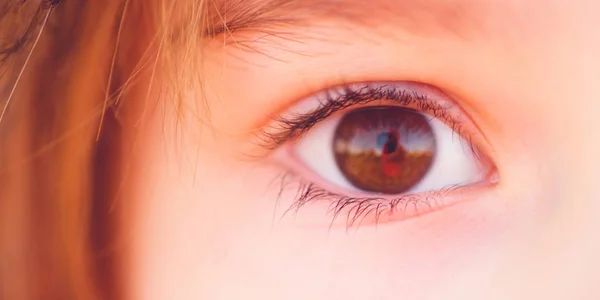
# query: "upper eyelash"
(286, 128)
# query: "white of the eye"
(454, 163)
(315, 150)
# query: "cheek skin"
(205, 227)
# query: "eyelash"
(292, 127)
(357, 209)
(287, 128)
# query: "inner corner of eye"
(387, 150)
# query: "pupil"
(390, 142)
(384, 149)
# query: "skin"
(207, 224)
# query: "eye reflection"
(384, 149)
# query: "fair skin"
(210, 222)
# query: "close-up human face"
(385, 149)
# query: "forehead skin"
(526, 72)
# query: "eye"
(388, 150)
(372, 148)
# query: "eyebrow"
(460, 17)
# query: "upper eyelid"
(290, 126)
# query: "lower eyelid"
(346, 212)
(413, 206)
(346, 207)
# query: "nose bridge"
(557, 254)
(576, 230)
(582, 195)
(560, 258)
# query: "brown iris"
(384, 149)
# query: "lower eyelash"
(357, 209)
